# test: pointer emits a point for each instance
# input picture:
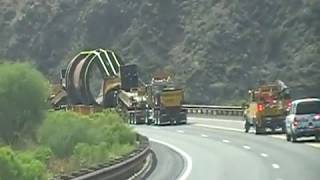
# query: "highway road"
(217, 149)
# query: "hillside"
(217, 49)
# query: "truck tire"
(131, 117)
(288, 137)
(156, 118)
(146, 120)
(293, 138)
(284, 129)
(260, 130)
(247, 126)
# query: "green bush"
(23, 94)
(66, 133)
(63, 131)
(43, 154)
(20, 166)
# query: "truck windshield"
(308, 108)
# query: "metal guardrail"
(121, 168)
(214, 110)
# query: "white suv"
(303, 119)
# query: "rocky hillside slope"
(217, 49)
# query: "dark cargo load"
(129, 77)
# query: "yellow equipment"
(267, 107)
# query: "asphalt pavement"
(217, 149)
(163, 169)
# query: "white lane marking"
(246, 147)
(226, 141)
(275, 166)
(264, 155)
(180, 131)
(215, 120)
(283, 137)
(155, 127)
(279, 179)
(187, 169)
(204, 135)
(218, 127)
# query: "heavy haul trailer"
(133, 104)
(165, 102)
(131, 97)
(267, 107)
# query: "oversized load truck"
(165, 101)
(132, 100)
(133, 104)
(267, 107)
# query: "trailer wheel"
(293, 138)
(247, 127)
(157, 118)
(260, 130)
(288, 137)
(146, 120)
(284, 129)
(129, 119)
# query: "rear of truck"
(270, 116)
(171, 111)
(267, 109)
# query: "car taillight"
(260, 107)
(289, 104)
(295, 122)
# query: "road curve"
(169, 163)
(232, 155)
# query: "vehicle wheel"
(156, 120)
(288, 137)
(147, 121)
(260, 130)
(293, 138)
(284, 129)
(247, 127)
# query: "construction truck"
(132, 100)
(267, 107)
(165, 102)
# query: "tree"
(23, 94)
